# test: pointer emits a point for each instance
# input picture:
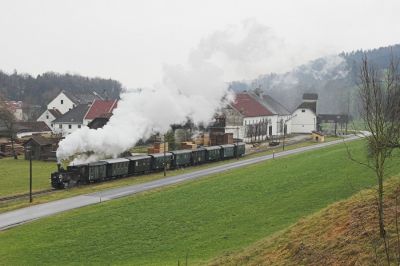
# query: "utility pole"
(29, 152)
(237, 142)
(284, 135)
(165, 162)
(30, 177)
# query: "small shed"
(41, 148)
(318, 136)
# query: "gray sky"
(131, 40)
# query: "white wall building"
(305, 116)
(49, 116)
(71, 120)
(250, 119)
(62, 102)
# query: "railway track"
(25, 195)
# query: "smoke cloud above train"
(194, 90)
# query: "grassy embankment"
(201, 219)
(344, 233)
(14, 178)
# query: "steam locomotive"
(141, 164)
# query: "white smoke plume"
(194, 91)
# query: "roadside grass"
(42, 181)
(14, 176)
(200, 219)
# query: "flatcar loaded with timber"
(141, 164)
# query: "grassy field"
(200, 219)
(14, 175)
(42, 181)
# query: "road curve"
(20, 216)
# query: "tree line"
(41, 89)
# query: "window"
(79, 126)
(303, 110)
(62, 101)
(69, 126)
(60, 125)
(69, 109)
(51, 125)
(47, 116)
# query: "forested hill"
(41, 89)
(334, 78)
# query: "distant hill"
(41, 89)
(334, 78)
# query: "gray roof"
(157, 155)
(82, 97)
(36, 126)
(181, 151)
(310, 96)
(74, 116)
(55, 112)
(273, 105)
(309, 105)
(42, 141)
(115, 160)
(138, 157)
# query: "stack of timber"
(6, 148)
(188, 145)
(202, 139)
(158, 147)
(219, 138)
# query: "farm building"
(304, 118)
(83, 114)
(24, 129)
(254, 117)
(49, 116)
(66, 101)
(99, 108)
(71, 120)
(40, 148)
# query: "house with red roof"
(251, 119)
(99, 108)
(81, 115)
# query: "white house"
(284, 117)
(305, 116)
(66, 101)
(248, 119)
(82, 115)
(71, 120)
(49, 116)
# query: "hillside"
(344, 233)
(198, 220)
(41, 89)
(334, 78)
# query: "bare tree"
(7, 121)
(380, 99)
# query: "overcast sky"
(131, 41)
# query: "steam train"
(141, 164)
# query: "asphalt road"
(20, 216)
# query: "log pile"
(158, 147)
(188, 145)
(202, 139)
